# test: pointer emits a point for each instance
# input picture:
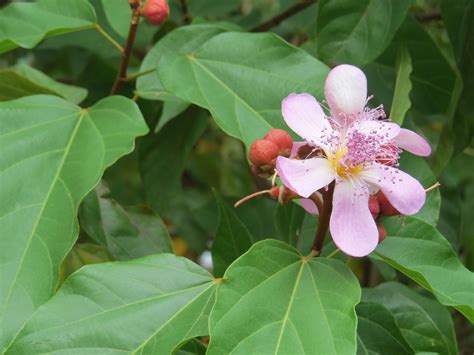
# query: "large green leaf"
(378, 332)
(184, 39)
(357, 32)
(401, 97)
(53, 154)
(23, 80)
(419, 251)
(242, 78)
(144, 306)
(424, 323)
(232, 237)
(127, 232)
(273, 300)
(26, 24)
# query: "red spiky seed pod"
(263, 152)
(282, 139)
(156, 11)
(386, 207)
(374, 206)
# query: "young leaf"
(23, 80)
(127, 232)
(401, 98)
(53, 154)
(378, 332)
(274, 300)
(26, 24)
(357, 32)
(419, 251)
(232, 237)
(425, 324)
(148, 306)
(242, 78)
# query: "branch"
(275, 21)
(428, 17)
(122, 74)
(323, 224)
(185, 12)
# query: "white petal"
(387, 131)
(412, 142)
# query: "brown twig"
(428, 17)
(275, 21)
(185, 12)
(324, 215)
(132, 32)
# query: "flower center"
(341, 165)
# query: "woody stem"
(324, 216)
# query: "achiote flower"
(360, 151)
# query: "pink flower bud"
(382, 232)
(374, 206)
(282, 139)
(263, 152)
(386, 207)
(156, 11)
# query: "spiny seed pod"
(374, 206)
(263, 152)
(382, 232)
(389, 155)
(156, 11)
(282, 139)
(386, 207)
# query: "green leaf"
(184, 39)
(242, 78)
(419, 251)
(53, 154)
(26, 24)
(171, 109)
(418, 167)
(401, 98)
(127, 232)
(232, 237)
(378, 332)
(163, 156)
(23, 80)
(289, 219)
(357, 32)
(273, 300)
(148, 306)
(83, 254)
(425, 324)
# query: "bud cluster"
(263, 152)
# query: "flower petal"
(309, 206)
(412, 142)
(386, 130)
(346, 91)
(352, 226)
(304, 116)
(305, 176)
(403, 191)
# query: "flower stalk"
(324, 217)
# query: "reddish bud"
(382, 232)
(374, 206)
(156, 11)
(263, 152)
(386, 207)
(282, 139)
(275, 192)
(389, 155)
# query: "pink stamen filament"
(249, 197)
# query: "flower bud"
(386, 207)
(282, 139)
(275, 192)
(156, 11)
(263, 152)
(374, 206)
(382, 232)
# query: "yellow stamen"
(341, 170)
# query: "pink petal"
(296, 146)
(309, 206)
(403, 191)
(346, 91)
(352, 226)
(412, 142)
(305, 176)
(386, 130)
(304, 116)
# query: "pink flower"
(354, 140)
